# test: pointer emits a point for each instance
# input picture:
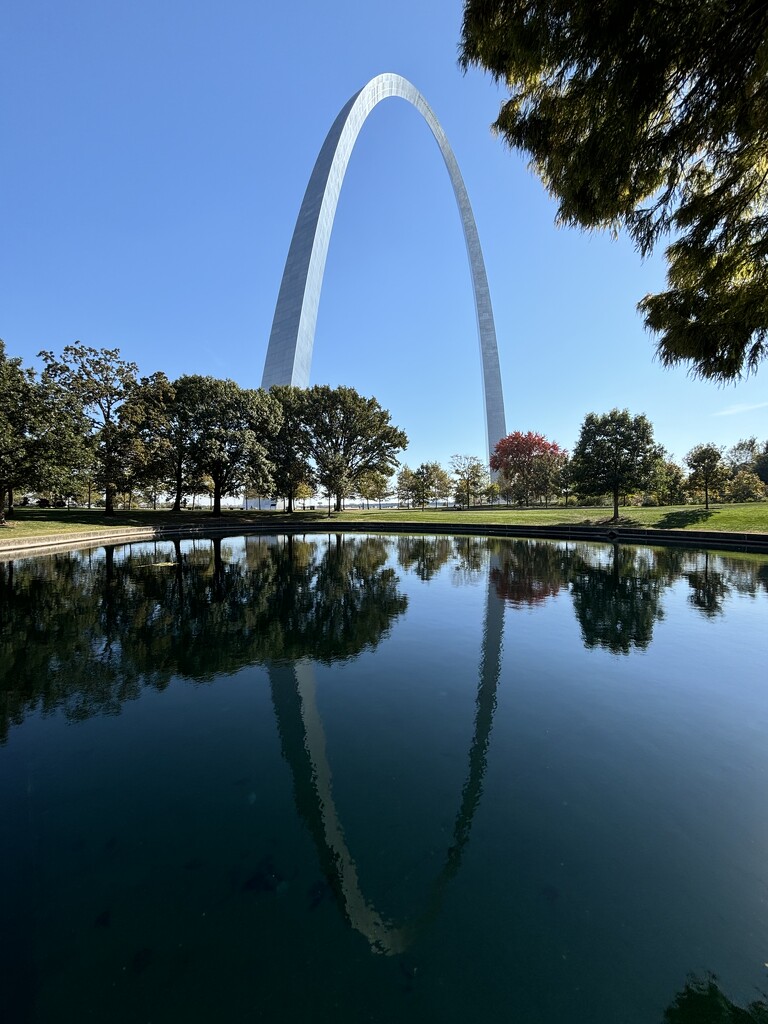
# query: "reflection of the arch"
(303, 744)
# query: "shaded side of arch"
(289, 353)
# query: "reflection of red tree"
(520, 585)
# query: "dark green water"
(356, 778)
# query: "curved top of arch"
(289, 354)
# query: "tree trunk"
(290, 501)
(706, 496)
(216, 500)
(616, 505)
(109, 500)
(177, 495)
(337, 505)
(218, 570)
(179, 570)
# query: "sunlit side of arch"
(289, 354)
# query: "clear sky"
(153, 157)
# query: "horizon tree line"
(88, 423)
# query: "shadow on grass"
(681, 520)
(621, 521)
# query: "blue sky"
(154, 157)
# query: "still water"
(359, 778)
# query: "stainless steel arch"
(289, 354)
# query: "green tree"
(651, 117)
(189, 395)
(43, 434)
(442, 484)
(304, 493)
(492, 492)
(374, 486)
(289, 448)
(548, 475)
(349, 435)
(565, 477)
(470, 476)
(746, 486)
(707, 469)
(100, 381)
(743, 455)
(19, 416)
(761, 464)
(430, 483)
(667, 482)
(406, 486)
(66, 455)
(232, 428)
(145, 417)
(614, 454)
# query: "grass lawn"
(746, 518)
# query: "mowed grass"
(746, 518)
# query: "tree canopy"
(349, 437)
(651, 117)
(289, 448)
(529, 464)
(17, 410)
(101, 380)
(470, 475)
(231, 432)
(708, 471)
(615, 453)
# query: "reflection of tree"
(470, 554)
(86, 632)
(348, 602)
(424, 555)
(702, 1002)
(304, 748)
(528, 572)
(709, 589)
(617, 605)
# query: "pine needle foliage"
(652, 117)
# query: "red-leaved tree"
(529, 465)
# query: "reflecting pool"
(361, 778)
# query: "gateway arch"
(289, 354)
